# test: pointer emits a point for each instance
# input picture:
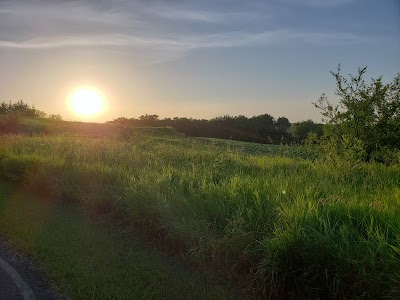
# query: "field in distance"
(271, 224)
(284, 150)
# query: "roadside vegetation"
(313, 221)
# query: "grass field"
(92, 261)
(291, 151)
(273, 225)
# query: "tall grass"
(274, 225)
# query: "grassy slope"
(275, 223)
(292, 151)
(89, 261)
(33, 126)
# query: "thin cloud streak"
(61, 18)
(202, 16)
(319, 3)
(55, 25)
(183, 44)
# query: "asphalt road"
(20, 280)
(8, 289)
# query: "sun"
(87, 101)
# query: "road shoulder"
(28, 273)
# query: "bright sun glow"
(87, 101)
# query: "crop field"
(261, 216)
(292, 151)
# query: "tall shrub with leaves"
(365, 125)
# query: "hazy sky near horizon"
(191, 58)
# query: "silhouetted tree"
(21, 108)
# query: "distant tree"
(261, 128)
(282, 123)
(282, 126)
(55, 117)
(21, 108)
(121, 121)
(301, 130)
(365, 125)
(148, 120)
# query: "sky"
(199, 59)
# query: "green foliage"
(301, 130)
(20, 117)
(55, 117)
(365, 125)
(20, 108)
(260, 129)
(279, 226)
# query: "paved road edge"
(26, 291)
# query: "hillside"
(270, 224)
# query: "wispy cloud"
(201, 16)
(182, 42)
(153, 27)
(319, 3)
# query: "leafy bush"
(365, 125)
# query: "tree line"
(260, 129)
(20, 108)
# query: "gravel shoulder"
(35, 280)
